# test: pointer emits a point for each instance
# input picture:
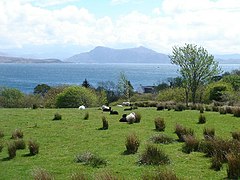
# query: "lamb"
(82, 107)
(113, 112)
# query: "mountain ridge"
(8, 59)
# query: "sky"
(62, 28)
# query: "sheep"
(128, 109)
(106, 108)
(82, 107)
(113, 112)
(126, 104)
(123, 119)
(131, 117)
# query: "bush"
(20, 144)
(90, 159)
(208, 108)
(159, 124)
(233, 170)
(137, 117)
(201, 119)
(179, 107)
(153, 156)
(132, 143)
(216, 163)
(11, 150)
(17, 134)
(160, 107)
(41, 174)
(229, 109)
(160, 175)
(208, 133)
(236, 135)
(161, 139)
(105, 123)
(201, 109)
(222, 110)
(182, 132)
(33, 147)
(236, 111)
(86, 116)
(191, 144)
(215, 108)
(57, 116)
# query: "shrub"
(153, 156)
(1, 134)
(216, 163)
(233, 170)
(86, 116)
(33, 147)
(17, 134)
(90, 159)
(132, 143)
(79, 176)
(41, 174)
(179, 107)
(236, 111)
(201, 109)
(191, 144)
(236, 135)
(160, 107)
(161, 175)
(215, 108)
(208, 108)
(208, 133)
(229, 109)
(105, 123)
(201, 119)
(222, 110)
(20, 144)
(182, 132)
(137, 117)
(11, 150)
(57, 116)
(159, 124)
(161, 139)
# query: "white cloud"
(211, 24)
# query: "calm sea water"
(26, 76)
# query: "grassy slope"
(61, 140)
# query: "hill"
(108, 55)
(5, 59)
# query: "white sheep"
(131, 117)
(82, 107)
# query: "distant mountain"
(228, 58)
(5, 59)
(108, 55)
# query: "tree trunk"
(186, 91)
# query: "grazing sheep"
(123, 119)
(128, 109)
(126, 104)
(113, 112)
(106, 108)
(82, 107)
(119, 105)
(131, 117)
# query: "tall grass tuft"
(132, 143)
(236, 135)
(105, 175)
(201, 119)
(41, 174)
(208, 133)
(159, 124)
(86, 116)
(236, 111)
(33, 147)
(233, 170)
(1, 146)
(91, 159)
(79, 176)
(20, 144)
(57, 116)
(11, 150)
(182, 132)
(161, 139)
(138, 117)
(17, 133)
(105, 123)
(191, 144)
(160, 175)
(1, 134)
(222, 110)
(153, 156)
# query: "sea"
(27, 76)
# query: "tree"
(197, 67)
(85, 84)
(41, 89)
(111, 90)
(124, 86)
(11, 97)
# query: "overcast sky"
(61, 28)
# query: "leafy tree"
(41, 89)
(124, 86)
(85, 84)
(11, 97)
(50, 97)
(234, 80)
(74, 96)
(176, 82)
(197, 67)
(110, 89)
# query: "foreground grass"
(60, 141)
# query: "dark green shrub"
(153, 156)
(79, 176)
(86, 116)
(105, 123)
(132, 143)
(236, 111)
(20, 144)
(233, 170)
(208, 108)
(201, 119)
(222, 110)
(160, 175)
(33, 147)
(191, 144)
(34, 106)
(236, 135)
(208, 133)
(57, 116)
(160, 107)
(17, 134)
(90, 159)
(161, 139)
(179, 107)
(182, 132)
(1, 134)
(41, 174)
(11, 150)
(159, 124)
(138, 117)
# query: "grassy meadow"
(61, 140)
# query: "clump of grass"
(79, 176)
(160, 175)
(161, 139)
(11, 150)
(191, 144)
(91, 159)
(201, 119)
(20, 144)
(216, 163)
(106, 176)
(105, 123)
(33, 147)
(132, 143)
(41, 174)
(179, 107)
(215, 108)
(86, 116)
(17, 133)
(159, 124)
(208, 108)
(153, 156)
(233, 170)
(236, 111)
(222, 110)
(229, 109)
(236, 135)
(57, 116)
(208, 133)
(201, 109)
(1, 134)
(138, 117)
(182, 132)
(1, 146)
(160, 107)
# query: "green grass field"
(60, 141)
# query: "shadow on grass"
(125, 153)
(28, 155)
(6, 159)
